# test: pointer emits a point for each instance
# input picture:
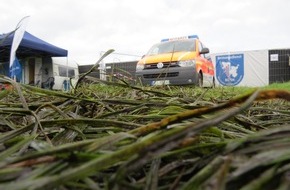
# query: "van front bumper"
(168, 76)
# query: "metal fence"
(114, 71)
(279, 65)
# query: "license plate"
(160, 82)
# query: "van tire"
(200, 80)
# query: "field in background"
(285, 86)
(105, 135)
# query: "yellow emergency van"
(177, 61)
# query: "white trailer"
(51, 73)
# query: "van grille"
(165, 65)
(161, 75)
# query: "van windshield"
(172, 46)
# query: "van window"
(62, 71)
(172, 46)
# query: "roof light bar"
(180, 38)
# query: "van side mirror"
(204, 51)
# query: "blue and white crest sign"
(230, 69)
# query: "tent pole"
(67, 73)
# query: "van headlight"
(139, 67)
(186, 63)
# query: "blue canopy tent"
(29, 46)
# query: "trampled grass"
(105, 135)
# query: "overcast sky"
(86, 28)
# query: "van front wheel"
(200, 80)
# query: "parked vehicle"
(51, 73)
(177, 61)
(62, 72)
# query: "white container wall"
(248, 68)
